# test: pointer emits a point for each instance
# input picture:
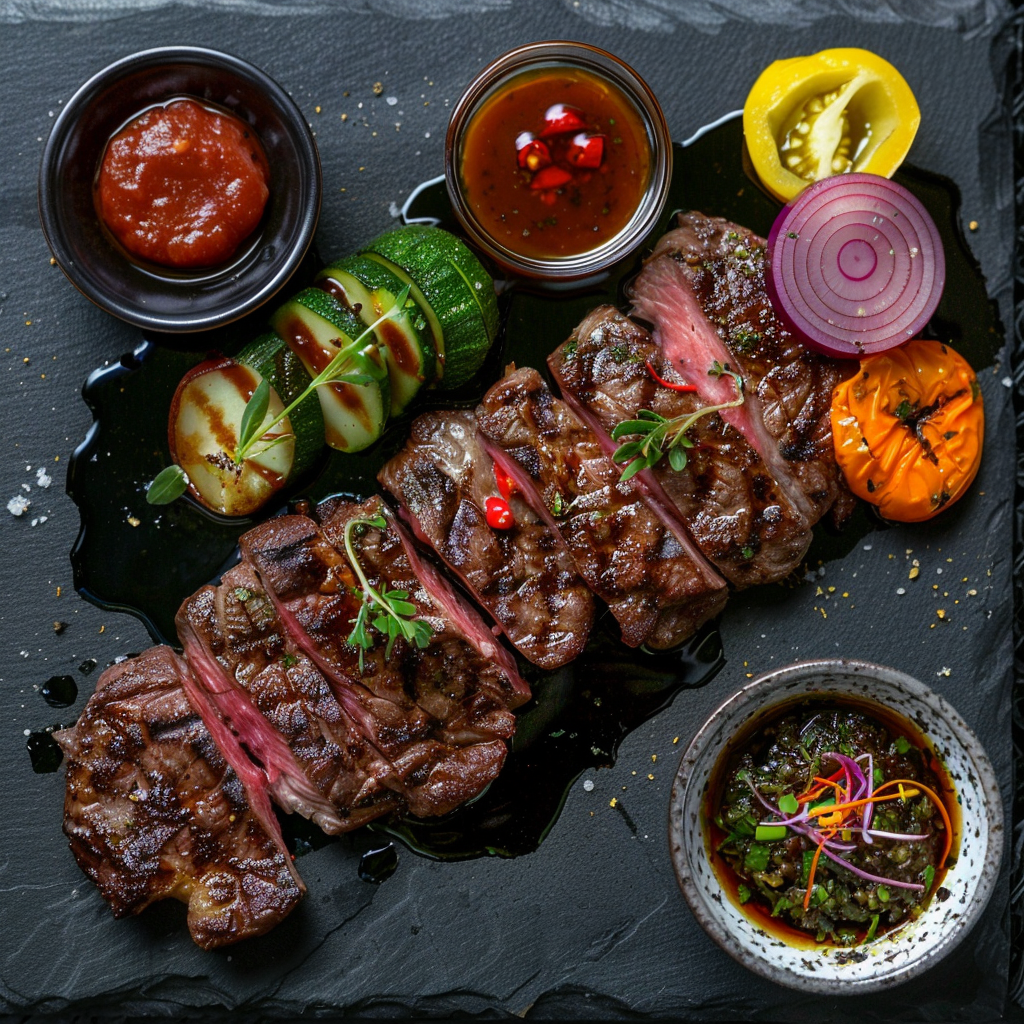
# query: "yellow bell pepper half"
(840, 110)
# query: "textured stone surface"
(593, 923)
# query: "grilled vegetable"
(451, 287)
(908, 430)
(841, 110)
(317, 327)
(203, 433)
(369, 289)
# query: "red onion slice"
(855, 265)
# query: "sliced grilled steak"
(438, 716)
(154, 810)
(644, 567)
(703, 289)
(726, 497)
(523, 576)
(319, 763)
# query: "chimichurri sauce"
(806, 762)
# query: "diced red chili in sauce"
(183, 185)
(555, 163)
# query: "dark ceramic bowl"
(160, 299)
(909, 949)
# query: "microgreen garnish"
(167, 486)
(390, 613)
(659, 436)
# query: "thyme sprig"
(389, 612)
(659, 436)
(350, 365)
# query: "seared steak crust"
(523, 576)
(153, 810)
(628, 556)
(742, 521)
(724, 264)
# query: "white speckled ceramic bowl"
(901, 953)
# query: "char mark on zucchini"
(522, 575)
(642, 565)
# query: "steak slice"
(154, 809)
(439, 715)
(741, 520)
(642, 565)
(523, 576)
(703, 289)
(319, 764)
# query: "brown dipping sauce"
(183, 185)
(533, 175)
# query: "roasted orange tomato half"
(908, 429)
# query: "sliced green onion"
(767, 833)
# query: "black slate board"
(592, 923)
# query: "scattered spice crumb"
(941, 612)
(914, 573)
(58, 591)
(134, 521)
(614, 800)
(378, 88)
(676, 740)
(973, 226)
(651, 777)
(317, 109)
(103, 629)
(344, 117)
(654, 757)
(59, 627)
(944, 671)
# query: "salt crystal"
(391, 100)
(588, 785)
(18, 505)
(1007, 382)
(43, 479)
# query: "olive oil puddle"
(583, 712)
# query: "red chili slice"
(532, 153)
(506, 485)
(550, 177)
(586, 150)
(686, 388)
(562, 118)
(499, 515)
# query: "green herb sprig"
(390, 613)
(350, 365)
(660, 436)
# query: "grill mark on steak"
(742, 521)
(627, 555)
(439, 715)
(284, 711)
(723, 265)
(523, 576)
(153, 810)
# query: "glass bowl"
(896, 955)
(161, 299)
(612, 74)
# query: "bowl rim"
(988, 786)
(240, 302)
(586, 265)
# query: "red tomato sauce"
(183, 185)
(555, 163)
